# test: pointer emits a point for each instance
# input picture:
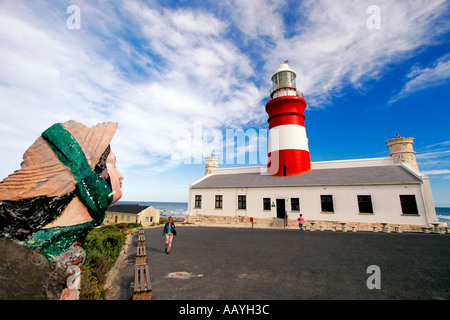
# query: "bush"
(122, 225)
(90, 289)
(102, 247)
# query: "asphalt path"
(212, 263)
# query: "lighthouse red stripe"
(285, 105)
(284, 119)
(288, 163)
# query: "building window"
(365, 204)
(198, 201)
(327, 203)
(128, 218)
(122, 216)
(219, 202)
(266, 204)
(409, 204)
(295, 204)
(146, 219)
(242, 202)
(151, 219)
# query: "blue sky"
(176, 75)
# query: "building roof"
(374, 175)
(127, 208)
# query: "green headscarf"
(92, 190)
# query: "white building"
(361, 192)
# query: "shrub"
(90, 289)
(102, 247)
(122, 225)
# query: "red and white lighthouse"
(288, 144)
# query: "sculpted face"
(115, 176)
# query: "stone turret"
(211, 164)
(401, 150)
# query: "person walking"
(301, 220)
(168, 233)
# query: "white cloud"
(433, 154)
(52, 74)
(423, 78)
(46, 77)
(436, 172)
(335, 48)
(433, 159)
(158, 70)
(257, 18)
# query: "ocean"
(443, 215)
(174, 209)
(179, 209)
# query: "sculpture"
(67, 180)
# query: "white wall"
(385, 202)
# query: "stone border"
(317, 225)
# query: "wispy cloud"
(433, 154)
(423, 78)
(52, 74)
(334, 48)
(434, 159)
(256, 18)
(156, 69)
(436, 172)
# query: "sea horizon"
(167, 208)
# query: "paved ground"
(259, 264)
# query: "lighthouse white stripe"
(290, 136)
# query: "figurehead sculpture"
(66, 182)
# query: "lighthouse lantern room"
(283, 82)
(288, 144)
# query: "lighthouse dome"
(284, 80)
(284, 67)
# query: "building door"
(281, 208)
(115, 220)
